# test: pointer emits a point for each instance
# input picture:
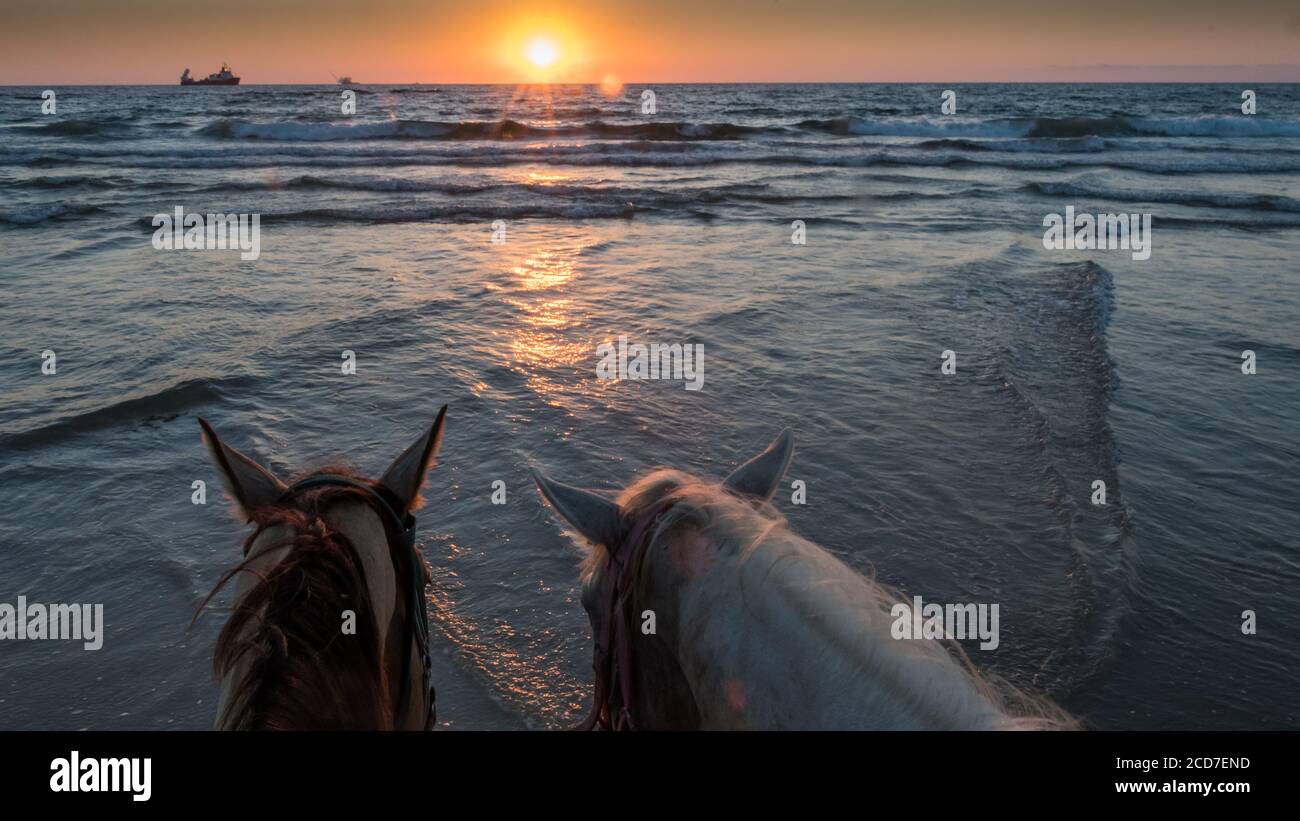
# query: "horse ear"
(406, 474)
(758, 478)
(598, 519)
(251, 485)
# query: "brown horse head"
(329, 625)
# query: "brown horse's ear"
(758, 478)
(405, 475)
(248, 483)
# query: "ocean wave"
(70, 128)
(73, 181)
(646, 153)
(1074, 145)
(109, 127)
(686, 205)
(1217, 126)
(581, 111)
(548, 155)
(1203, 199)
(744, 192)
(160, 404)
(309, 182)
(1059, 127)
(46, 212)
(382, 214)
(1158, 164)
(471, 130)
(1202, 126)
(1056, 321)
(915, 127)
(1075, 127)
(1272, 223)
(971, 134)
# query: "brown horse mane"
(303, 672)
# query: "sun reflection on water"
(545, 338)
(544, 269)
(546, 178)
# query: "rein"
(614, 658)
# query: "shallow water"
(924, 234)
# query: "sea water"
(827, 243)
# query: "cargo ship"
(220, 78)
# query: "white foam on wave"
(929, 127)
(1217, 126)
(320, 132)
(1064, 127)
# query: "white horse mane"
(773, 631)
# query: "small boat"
(220, 78)
(347, 81)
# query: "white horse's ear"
(758, 478)
(406, 474)
(251, 485)
(598, 519)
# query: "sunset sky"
(482, 41)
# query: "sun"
(541, 52)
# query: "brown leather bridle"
(613, 657)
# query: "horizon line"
(673, 83)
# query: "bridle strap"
(418, 618)
(614, 649)
(403, 524)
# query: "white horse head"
(755, 627)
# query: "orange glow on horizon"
(643, 41)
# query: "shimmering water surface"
(923, 234)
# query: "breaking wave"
(1063, 127)
(471, 130)
(742, 192)
(37, 214)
